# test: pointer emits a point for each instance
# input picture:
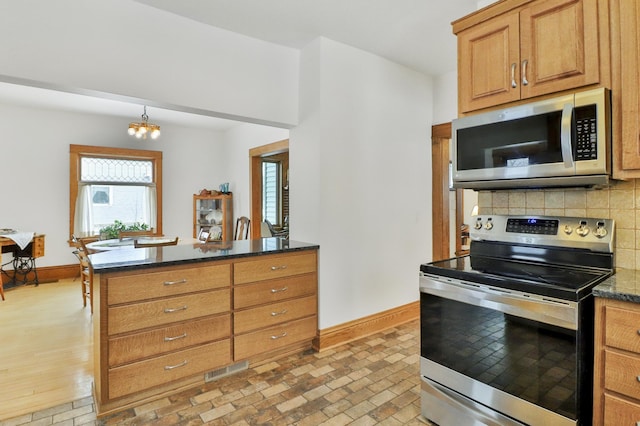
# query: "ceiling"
(414, 33)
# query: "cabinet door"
(488, 63)
(629, 96)
(558, 46)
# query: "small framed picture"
(203, 236)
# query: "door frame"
(440, 196)
(255, 178)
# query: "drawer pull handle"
(282, 312)
(275, 268)
(171, 339)
(182, 281)
(171, 367)
(279, 290)
(170, 310)
(278, 337)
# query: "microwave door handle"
(565, 136)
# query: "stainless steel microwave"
(558, 142)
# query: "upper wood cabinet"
(519, 49)
(626, 88)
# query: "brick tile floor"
(372, 381)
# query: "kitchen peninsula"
(172, 317)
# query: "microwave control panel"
(586, 133)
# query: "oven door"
(493, 356)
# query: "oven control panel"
(593, 233)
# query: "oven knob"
(568, 229)
(478, 224)
(600, 232)
(583, 230)
(488, 225)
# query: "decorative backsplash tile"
(620, 201)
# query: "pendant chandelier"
(140, 130)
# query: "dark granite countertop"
(623, 285)
(130, 258)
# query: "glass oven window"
(526, 359)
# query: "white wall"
(238, 141)
(34, 170)
(126, 48)
(361, 178)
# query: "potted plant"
(112, 231)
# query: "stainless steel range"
(507, 331)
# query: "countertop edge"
(102, 264)
(623, 285)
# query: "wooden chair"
(242, 228)
(154, 243)
(86, 272)
(122, 235)
(272, 232)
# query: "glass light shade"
(131, 131)
(155, 133)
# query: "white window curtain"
(83, 221)
(150, 206)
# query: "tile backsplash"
(620, 201)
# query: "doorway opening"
(269, 177)
(450, 232)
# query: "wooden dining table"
(117, 244)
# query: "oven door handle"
(562, 314)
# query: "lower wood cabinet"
(145, 374)
(273, 338)
(616, 399)
(157, 330)
(275, 303)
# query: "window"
(108, 184)
(270, 192)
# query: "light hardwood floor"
(45, 347)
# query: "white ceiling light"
(140, 130)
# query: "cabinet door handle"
(171, 339)
(171, 367)
(275, 268)
(513, 76)
(525, 82)
(279, 336)
(170, 310)
(279, 290)
(282, 312)
(182, 281)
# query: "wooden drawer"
(142, 375)
(620, 412)
(168, 282)
(270, 267)
(621, 373)
(138, 316)
(276, 313)
(271, 291)
(155, 342)
(263, 341)
(622, 329)
(37, 249)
